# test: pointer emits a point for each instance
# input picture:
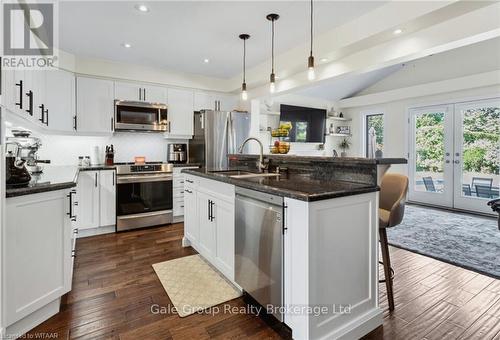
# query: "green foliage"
(481, 140)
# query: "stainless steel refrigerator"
(217, 134)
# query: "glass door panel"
(477, 154)
(431, 142)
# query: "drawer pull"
(189, 181)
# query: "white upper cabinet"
(94, 105)
(180, 113)
(140, 92)
(155, 94)
(59, 100)
(204, 101)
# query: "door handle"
(20, 84)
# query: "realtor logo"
(29, 35)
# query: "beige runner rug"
(193, 285)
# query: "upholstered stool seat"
(393, 191)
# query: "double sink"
(238, 174)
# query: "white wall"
(259, 107)
(396, 119)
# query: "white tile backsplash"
(64, 150)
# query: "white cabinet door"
(107, 198)
(88, 200)
(207, 240)
(224, 220)
(191, 224)
(128, 91)
(228, 103)
(37, 259)
(94, 105)
(180, 113)
(204, 101)
(155, 94)
(10, 91)
(60, 100)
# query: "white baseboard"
(32, 320)
(96, 231)
(360, 326)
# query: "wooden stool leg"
(387, 266)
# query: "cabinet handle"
(73, 253)
(70, 213)
(112, 123)
(47, 117)
(182, 206)
(30, 106)
(113, 178)
(75, 231)
(285, 228)
(144, 96)
(189, 181)
(20, 84)
(209, 207)
(74, 122)
(212, 203)
(96, 179)
(188, 191)
(42, 113)
(140, 94)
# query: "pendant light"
(310, 61)
(272, 17)
(244, 94)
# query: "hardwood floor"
(114, 287)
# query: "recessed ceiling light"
(398, 31)
(142, 8)
(126, 45)
(206, 61)
(323, 60)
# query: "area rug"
(193, 285)
(464, 240)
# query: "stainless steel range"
(143, 195)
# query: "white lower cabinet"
(96, 197)
(107, 198)
(209, 221)
(179, 193)
(37, 259)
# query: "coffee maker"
(27, 148)
(177, 153)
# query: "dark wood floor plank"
(478, 305)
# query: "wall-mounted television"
(308, 124)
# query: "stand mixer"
(27, 149)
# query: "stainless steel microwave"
(140, 116)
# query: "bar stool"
(393, 189)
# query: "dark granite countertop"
(340, 160)
(298, 186)
(51, 179)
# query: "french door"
(455, 155)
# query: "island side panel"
(296, 266)
(343, 262)
(331, 257)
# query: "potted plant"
(344, 145)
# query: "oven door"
(140, 116)
(143, 200)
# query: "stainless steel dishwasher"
(259, 247)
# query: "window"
(374, 124)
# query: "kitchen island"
(329, 242)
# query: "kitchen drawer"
(191, 181)
(178, 181)
(178, 207)
(178, 193)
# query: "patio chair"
(483, 191)
(488, 182)
(429, 184)
(466, 189)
